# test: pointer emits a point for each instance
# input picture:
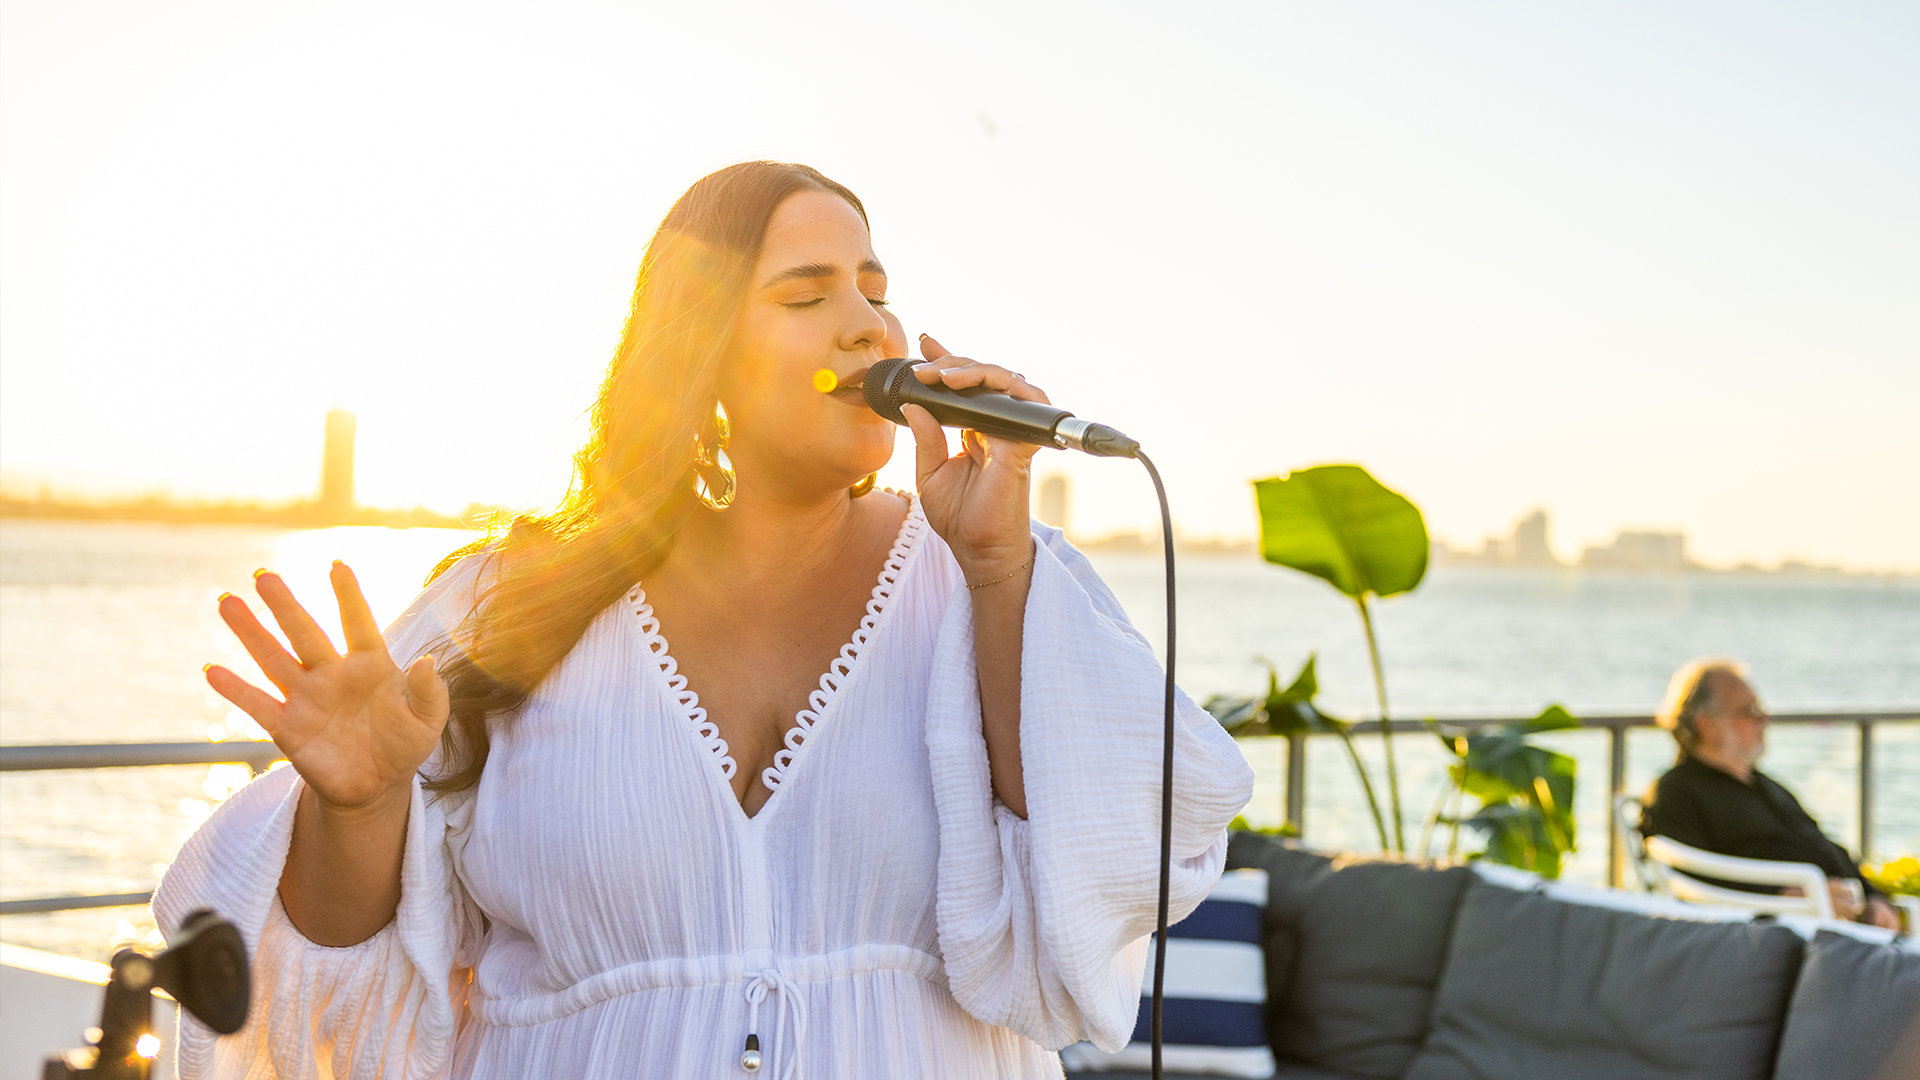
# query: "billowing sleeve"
(1044, 922)
(387, 1007)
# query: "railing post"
(1297, 782)
(1616, 786)
(1866, 790)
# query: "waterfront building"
(336, 467)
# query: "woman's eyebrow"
(820, 270)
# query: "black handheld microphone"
(890, 384)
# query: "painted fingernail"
(204, 668)
(337, 562)
(223, 598)
(262, 572)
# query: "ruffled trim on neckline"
(696, 717)
(839, 671)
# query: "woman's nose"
(864, 328)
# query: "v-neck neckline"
(840, 671)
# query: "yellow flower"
(1900, 875)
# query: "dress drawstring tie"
(791, 1001)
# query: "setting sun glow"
(1641, 265)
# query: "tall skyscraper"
(336, 466)
(1053, 501)
(1530, 547)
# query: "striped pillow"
(1216, 991)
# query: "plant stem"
(1386, 725)
(1366, 785)
(1453, 820)
(1433, 816)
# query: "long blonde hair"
(551, 574)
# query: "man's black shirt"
(1703, 807)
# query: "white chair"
(1910, 905)
(1676, 869)
(1665, 866)
(1626, 826)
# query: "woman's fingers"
(255, 702)
(265, 649)
(1026, 391)
(960, 372)
(929, 441)
(426, 690)
(309, 642)
(974, 445)
(356, 618)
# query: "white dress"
(601, 906)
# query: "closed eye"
(798, 304)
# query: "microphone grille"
(877, 387)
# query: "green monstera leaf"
(1279, 711)
(1518, 835)
(1291, 711)
(1341, 525)
(1525, 791)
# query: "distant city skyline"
(1527, 545)
(332, 503)
(1648, 266)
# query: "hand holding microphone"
(977, 499)
(968, 395)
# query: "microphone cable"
(1166, 775)
(888, 384)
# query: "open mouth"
(853, 385)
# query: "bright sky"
(1643, 264)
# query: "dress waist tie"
(758, 974)
(792, 1001)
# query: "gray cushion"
(1291, 874)
(1850, 1007)
(1537, 987)
(1287, 1072)
(1368, 941)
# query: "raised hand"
(977, 499)
(356, 727)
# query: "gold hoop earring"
(713, 480)
(864, 485)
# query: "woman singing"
(732, 765)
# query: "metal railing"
(257, 755)
(254, 754)
(1616, 727)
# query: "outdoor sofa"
(1381, 970)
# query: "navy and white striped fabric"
(1216, 991)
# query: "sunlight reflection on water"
(103, 630)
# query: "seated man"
(1715, 800)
